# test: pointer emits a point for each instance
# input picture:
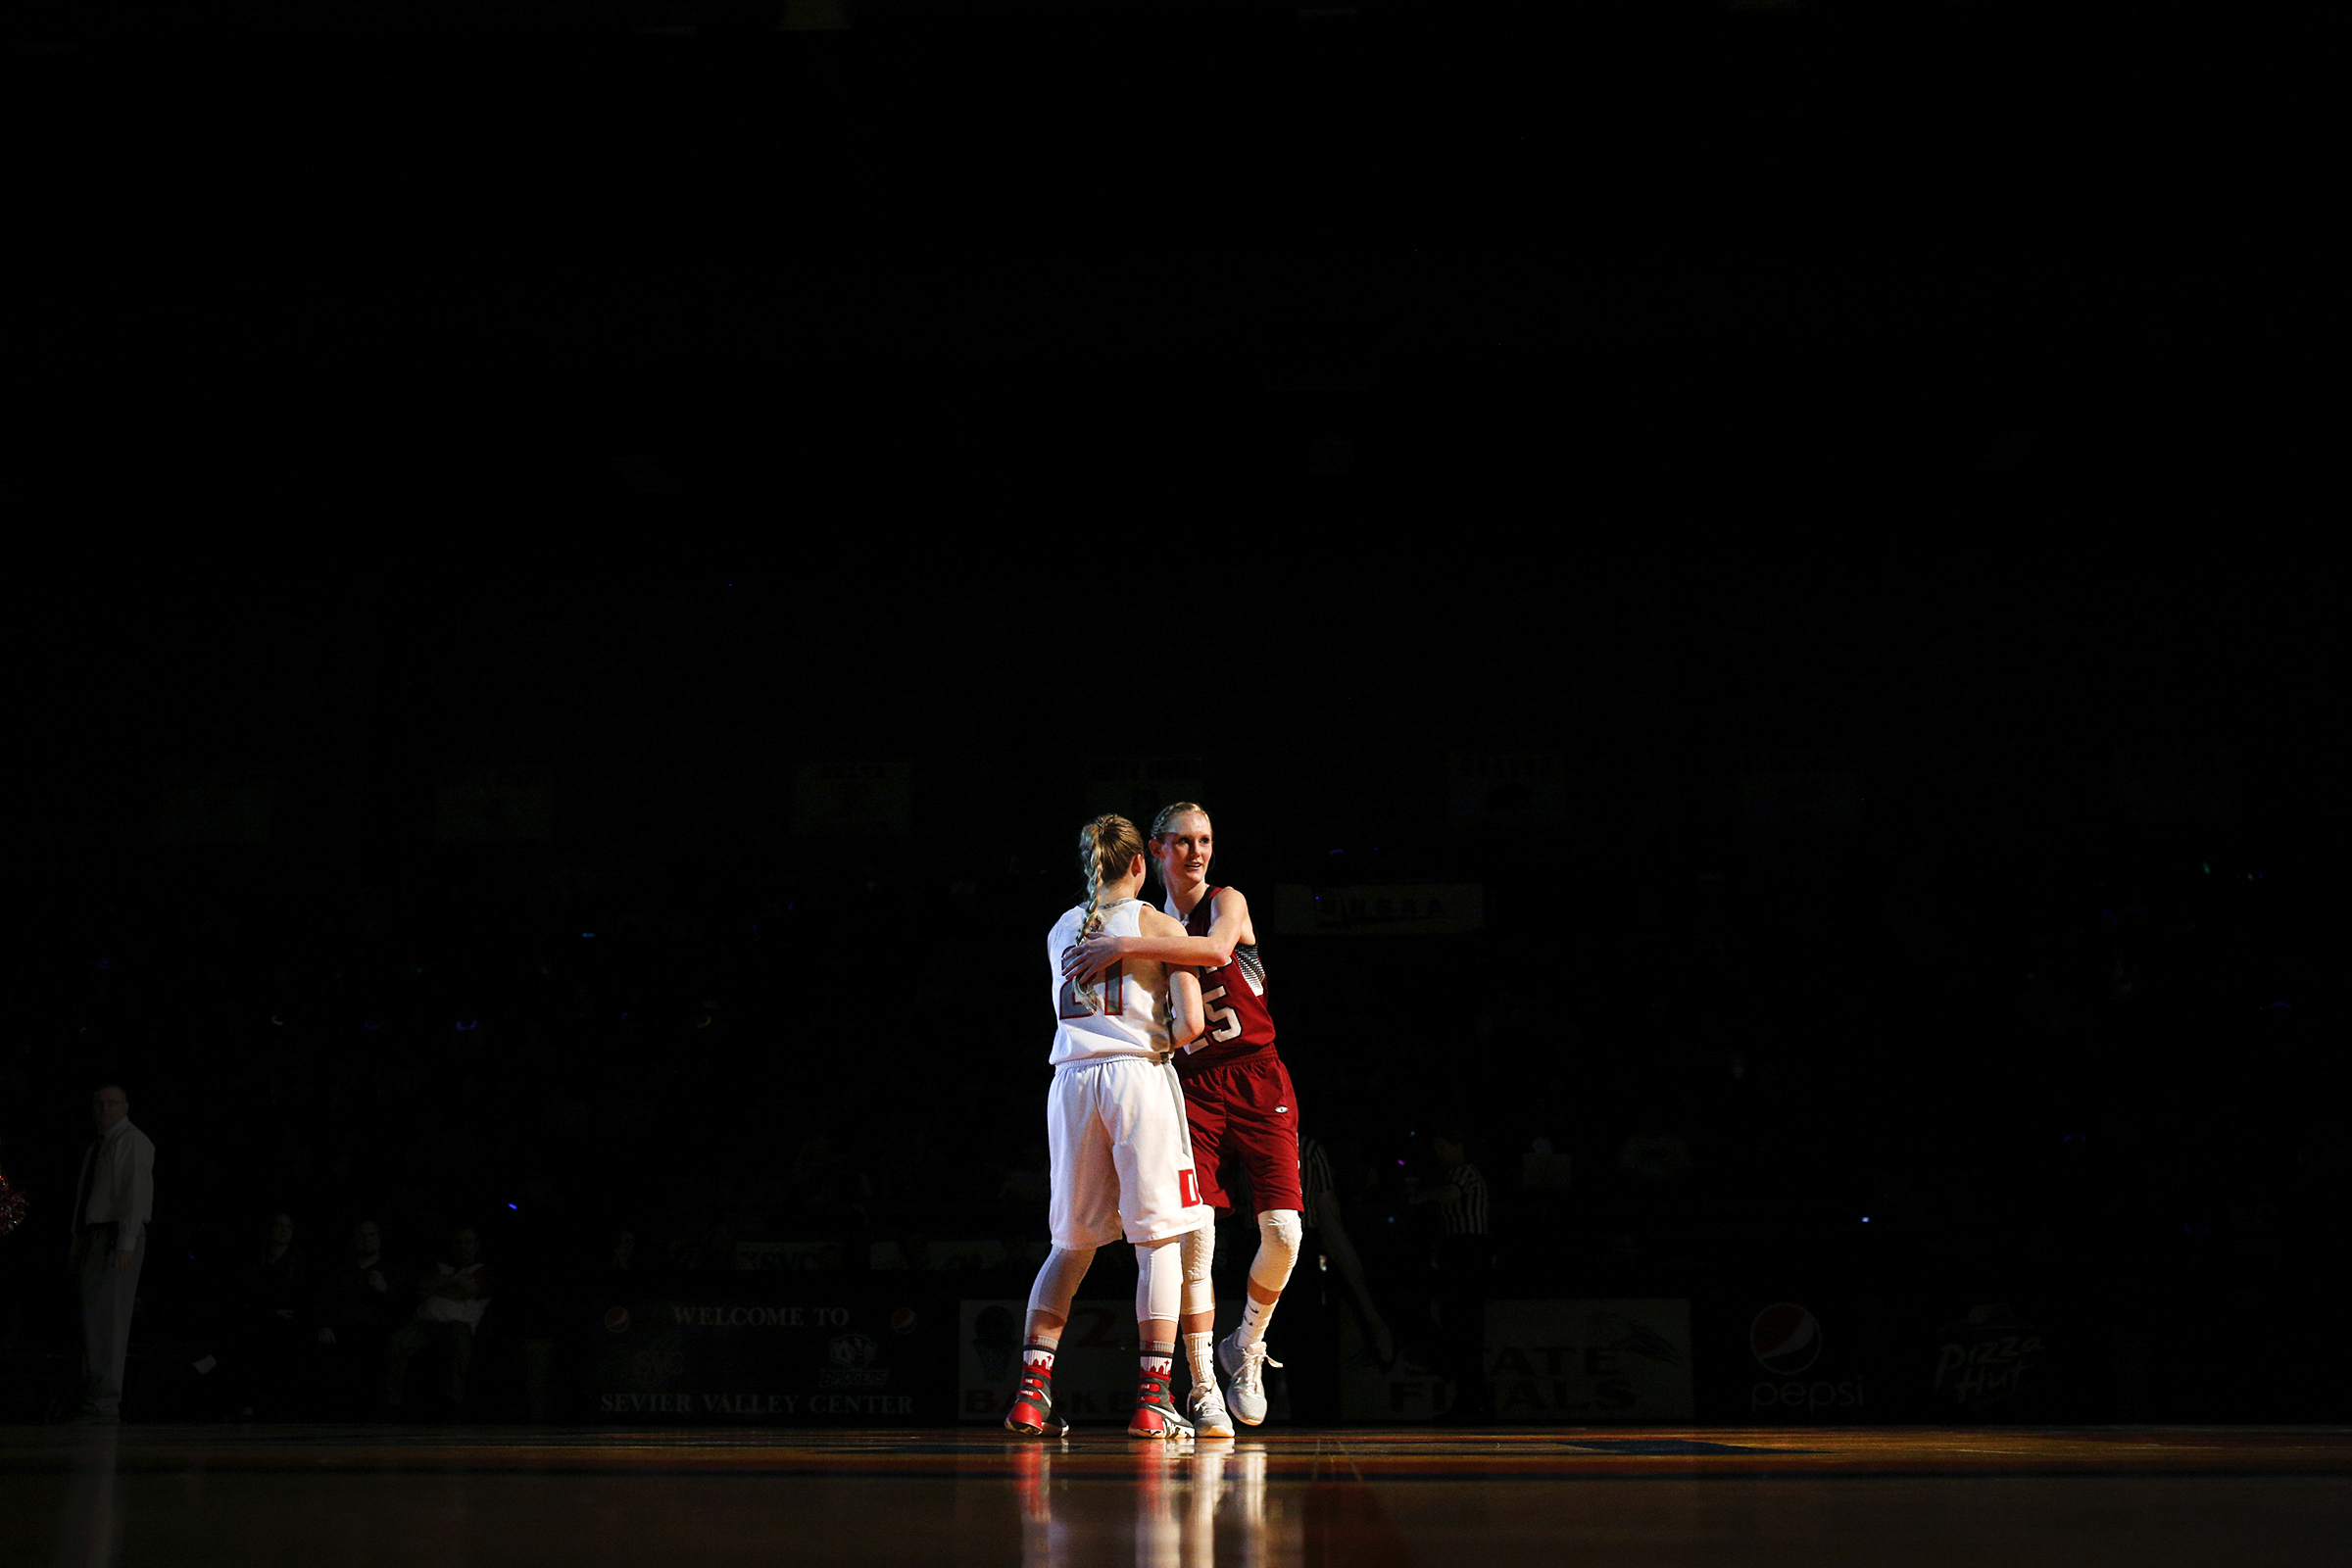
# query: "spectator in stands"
(1464, 1259)
(901, 1159)
(699, 1242)
(274, 1336)
(358, 1311)
(834, 1190)
(452, 1297)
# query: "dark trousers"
(416, 1335)
(350, 1383)
(274, 1367)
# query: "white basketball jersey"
(1124, 1012)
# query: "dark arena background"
(1745, 584)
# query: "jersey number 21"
(1070, 1005)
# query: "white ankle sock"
(1255, 1313)
(1200, 1353)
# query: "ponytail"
(1089, 857)
(1108, 842)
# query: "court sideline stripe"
(1526, 1477)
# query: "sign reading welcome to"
(818, 1359)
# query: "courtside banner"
(793, 1358)
(1591, 1360)
(1094, 1370)
(852, 796)
(1403, 1388)
(1788, 1356)
(1385, 909)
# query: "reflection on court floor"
(1192, 1507)
(262, 1497)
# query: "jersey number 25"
(1222, 1024)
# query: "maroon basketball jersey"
(1234, 998)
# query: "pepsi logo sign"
(617, 1319)
(1785, 1338)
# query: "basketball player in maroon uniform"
(1237, 1098)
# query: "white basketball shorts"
(1122, 1154)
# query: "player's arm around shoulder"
(1187, 1016)
(1161, 940)
(1152, 927)
(1232, 927)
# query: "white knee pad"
(1159, 1279)
(1058, 1281)
(1279, 1234)
(1199, 1251)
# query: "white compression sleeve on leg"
(1058, 1281)
(1199, 1251)
(1159, 1279)
(1279, 1234)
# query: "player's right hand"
(1088, 960)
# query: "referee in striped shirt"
(1466, 1258)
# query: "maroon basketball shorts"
(1244, 1118)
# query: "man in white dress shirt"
(112, 1205)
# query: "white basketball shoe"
(1210, 1418)
(1245, 1376)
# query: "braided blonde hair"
(1105, 845)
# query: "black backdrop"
(647, 401)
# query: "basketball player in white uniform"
(1115, 1124)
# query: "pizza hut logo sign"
(1986, 1357)
(1785, 1338)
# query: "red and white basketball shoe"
(1032, 1412)
(1155, 1413)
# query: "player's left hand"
(1092, 957)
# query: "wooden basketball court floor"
(259, 1496)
